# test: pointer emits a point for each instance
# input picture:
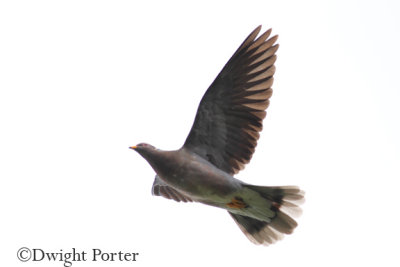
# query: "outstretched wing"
(229, 117)
(160, 188)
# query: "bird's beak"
(133, 147)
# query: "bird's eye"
(143, 145)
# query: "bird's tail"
(283, 204)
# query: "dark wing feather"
(160, 188)
(229, 117)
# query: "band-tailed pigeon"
(222, 140)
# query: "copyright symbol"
(24, 254)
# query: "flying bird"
(222, 140)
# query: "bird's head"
(142, 147)
(148, 152)
(145, 150)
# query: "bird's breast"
(198, 178)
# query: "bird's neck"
(161, 161)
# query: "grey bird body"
(193, 176)
(222, 140)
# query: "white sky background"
(81, 81)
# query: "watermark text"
(68, 257)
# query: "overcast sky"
(81, 81)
